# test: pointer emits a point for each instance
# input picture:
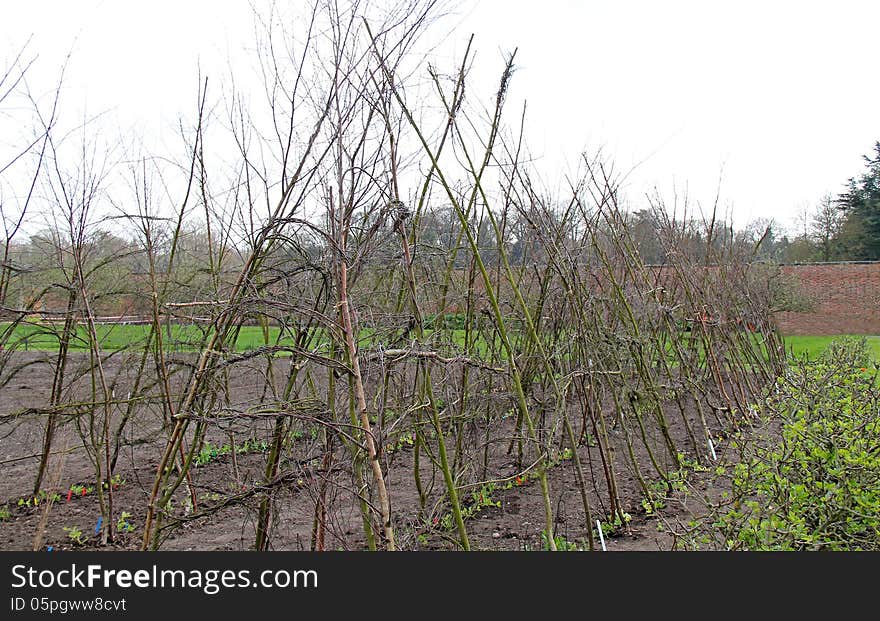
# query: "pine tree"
(861, 204)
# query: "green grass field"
(31, 337)
(116, 337)
(812, 346)
(188, 338)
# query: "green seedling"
(403, 442)
(250, 446)
(615, 527)
(123, 525)
(211, 452)
(75, 535)
(41, 496)
(480, 499)
(562, 544)
(116, 481)
(652, 504)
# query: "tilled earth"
(508, 516)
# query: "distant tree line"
(839, 228)
(845, 227)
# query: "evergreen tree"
(861, 204)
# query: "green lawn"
(188, 338)
(32, 337)
(814, 345)
(115, 337)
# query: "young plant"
(75, 535)
(123, 525)
(561, 544)
(614, 527)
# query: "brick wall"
(844, 297)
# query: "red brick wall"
(845, 299)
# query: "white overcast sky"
(778, 99)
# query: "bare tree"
(825, 227)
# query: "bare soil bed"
(227, 485)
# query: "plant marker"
(83, 492)
(49, 548)
(98, 525)
(712, 450)
(69, 494)
(601, 536)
